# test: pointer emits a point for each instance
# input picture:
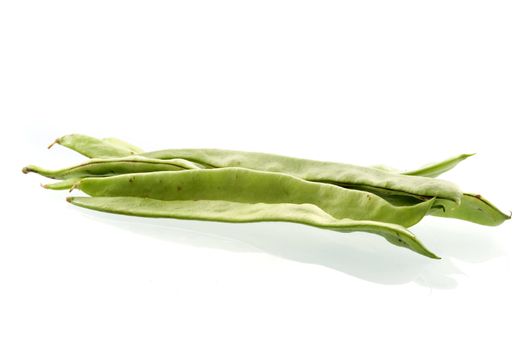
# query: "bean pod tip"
(53, 143)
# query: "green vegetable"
(94, 148)
(236, 186)
(227, 211)
(436, 169)
(113, 166)
(473, 207)
(251, 186)
(346, 175)
(118, 143)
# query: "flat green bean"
(123, 144)
(85, 145)
(235, 212)
(112, 166)
(92, 147)
(236, 186)
(473, 207)
(431, 170)
(62, 185)
(436, 169)
(252, 186)
(350, 176)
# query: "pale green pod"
(473, 208)
(92, 147)
(113, 166)
(436, 169)
(62, 185)
(236, 212)
(431, 170)
(346, 175)
(123, 144)
(251, 186)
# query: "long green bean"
(235, 212)
(347, 175)
(473, 207)
(252, 186)
(95, 148)
(113, 166)
(236, 186)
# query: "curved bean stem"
(113, 166)
(235, 212)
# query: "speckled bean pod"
(244, 195)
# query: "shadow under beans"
(362, 255)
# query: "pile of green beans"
(236, 186)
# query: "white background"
(400, 83)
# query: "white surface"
(400, 83)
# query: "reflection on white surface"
(361, 255)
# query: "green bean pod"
(436, 169)
(347, 175)
(431, 170)
(92, 147)
(242, 195)
(473, 207)
(122, 144)
(113, 166)
(251, 186)
(234, 212)
(67, 184)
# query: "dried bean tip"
(53, 143)
(74, 187)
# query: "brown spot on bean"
(179, 188)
